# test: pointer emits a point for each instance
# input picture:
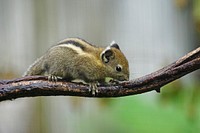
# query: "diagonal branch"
(39, 85)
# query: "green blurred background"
(151, 33)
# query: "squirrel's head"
(115, 62)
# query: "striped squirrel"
(74, 59)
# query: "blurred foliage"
(194, 5)
(181, 3)
(7, 74)
(196, 14)
(177, 111)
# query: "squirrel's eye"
(118, 68)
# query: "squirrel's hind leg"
(54, 78)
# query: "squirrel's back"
(64, 51)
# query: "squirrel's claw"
(93, 88)
(53, 78)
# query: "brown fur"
(87, 64)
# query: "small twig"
(40, 86)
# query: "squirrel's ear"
(113, 44)
(107, 55)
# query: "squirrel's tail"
(35, 68)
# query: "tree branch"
(33, 86)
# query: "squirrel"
(76, 60)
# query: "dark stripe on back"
(77, 44)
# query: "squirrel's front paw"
(109, 80)
(113, 81)
(93, 88)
